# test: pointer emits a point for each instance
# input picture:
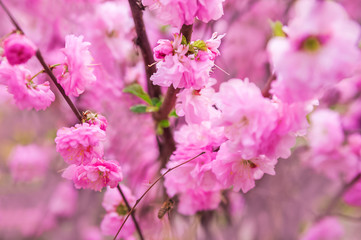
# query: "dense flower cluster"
(81, 146)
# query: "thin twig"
(266, 90)
(149, 188)
(129, 209)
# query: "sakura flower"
(18, 49)
(320, 50)
(231, 168)
(327, 229)
(196, 105)
(96, 119)
(95, 176)
(80, 144)
(326, 132)
(163, 49)
(27, 93)
(179, 12)
(213, 45)
(28, 162)
(78, 72)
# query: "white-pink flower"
(78, 72)
(80, 144)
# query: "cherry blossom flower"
(95, 176)
(320, 50)
(18, 49)
(78, 72)
(80, 144)
(27, 93)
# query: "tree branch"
(144, 45)
(150, 187)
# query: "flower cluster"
(185, 65)
(81, 146)
(179, 12)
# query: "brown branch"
(144, 45)
(150, 187)
(334, 201)
(129, 209)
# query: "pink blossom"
(95, 176)
(163, 49)
(213, 45)
(28, 162)
(326, 132)
(252, 121)
(27, 93)
(18, 49)
(80, 144)
(319, 51)
(231, 168)
(78, 72)
(196, 105)
(63, 203)
(179, 12)
(327, 229)
(96, 119)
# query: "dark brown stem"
(45, 66)
(334, 201)
(266, 90)
(58, 86)
(187, 31)
(149, 188)
(144, 45)
(129, 209)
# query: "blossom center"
(121, 209)
(311, 44)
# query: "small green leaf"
(159, 130)
(277, 29)
(138, 91)
(138, 108)
(152, 109)
(164, 123)
(156, 102)
(173, 114)
(184, 40)
(200, 44)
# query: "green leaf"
(173, 114)
(200, 44)
(184, 40)
(164, 123)
(138, 91)
(138, 108)
(277, 29)
(156, 102)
